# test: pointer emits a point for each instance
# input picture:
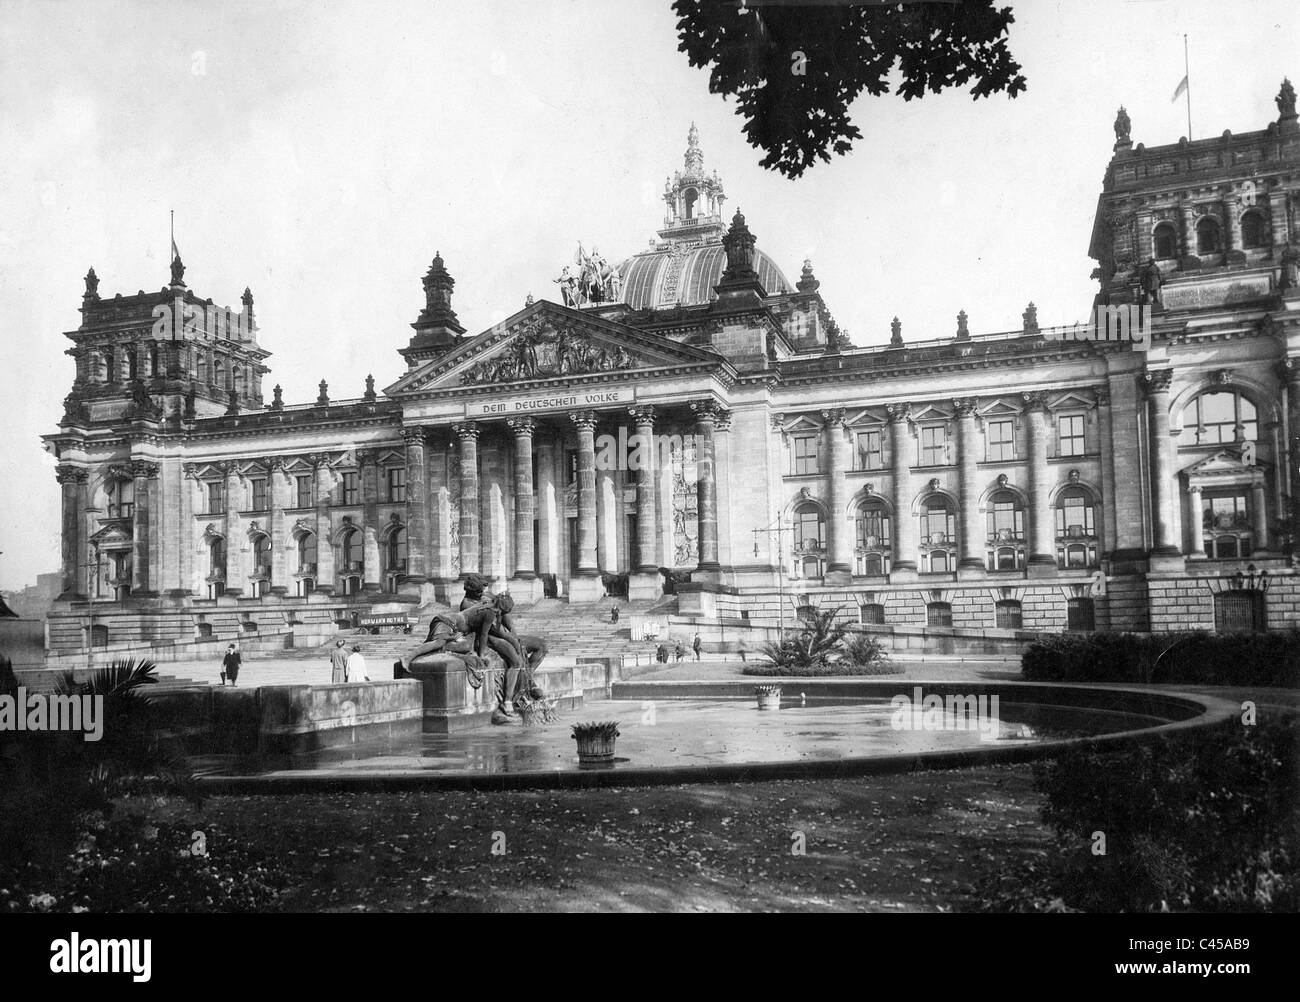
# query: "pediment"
(1232, 464)
(998, 409)
(546, 341)
(110, 535)
(930, 412)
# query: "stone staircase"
(571, 631)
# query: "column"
(1157, 384)
(548, 514)
(904, 524)
(1259, 518)
(972, 562)
(1110, 536)
(326, 582)
(586, 424)
(72, 484)
(468, 436)
(644, 453)
(1189, 229)
(525, 558)
(584, 580)
(143, 476)
(1042, 527)
(236, 575)
(278, 487)
(839, 543)
(725, 489)
(372, 567)
(417, 507)
(1194, 516)
(706, 488)
(1232, 229)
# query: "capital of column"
(705, 411)
(1288, 371)
(833, 417)
(522, 426)
(898, 412)
(643, 415)
(1101, 395)
(585, 420)
(143, 470)
(723, 422)
(778, 422)
(1035, 400)
(273, 464)
(467, 431)
(965, 406)
(1194, 489)
(413, 436)
(70, 475)
(1158, 380)
(318, 460)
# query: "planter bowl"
(769, 701)
(595, 749)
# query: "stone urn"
(769, 696)
(595, 741)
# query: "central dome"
(674, 275)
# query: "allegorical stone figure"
(1150, 282)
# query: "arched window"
(155, 361)
(396, 551)
(110, 366)
(307, 553)
(938, 614)
(1165, 239)
(938, 534)
(1220, 415)
(216, 567)
(809, 539)
(201, 361)
(1006, 522)
(691, 197)
(1007, 615)
(120, 495)
(353, 552)
(205, 631)
(130, 362)
(237, 379)
(872, 538)
(218, 372)
(1239, 610)
(1254, 234)
(1207, 236)
(98, 635)
(262, 556)
(1076, 528)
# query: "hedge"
(1190, 658)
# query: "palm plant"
(812, 646)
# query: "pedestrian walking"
(680, 652)
(356, 667)
(339, 663)
(697, 645)
(742, 648)
(613, 614)
(230, 665)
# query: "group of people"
(347, 666)
(678, 652)
(484, 622)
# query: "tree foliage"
(795, 70)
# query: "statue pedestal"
(450, 702)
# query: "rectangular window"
(870, 455)
(259, 495)
(934, 445)
(805, 455)
(351, 491)
(1071, 435)
(397, 483)
(1000, 436)
(216, 498)
(304, 499)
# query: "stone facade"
(1132, 473)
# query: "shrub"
(1190, 658)
(1206, 822)
(862, 650)
(809, 649)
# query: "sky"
(321, 153)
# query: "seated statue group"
(485, 623)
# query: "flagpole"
(1187, 75)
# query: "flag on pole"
(1180, 90)
(175, 253)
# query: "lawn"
(915, 842)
